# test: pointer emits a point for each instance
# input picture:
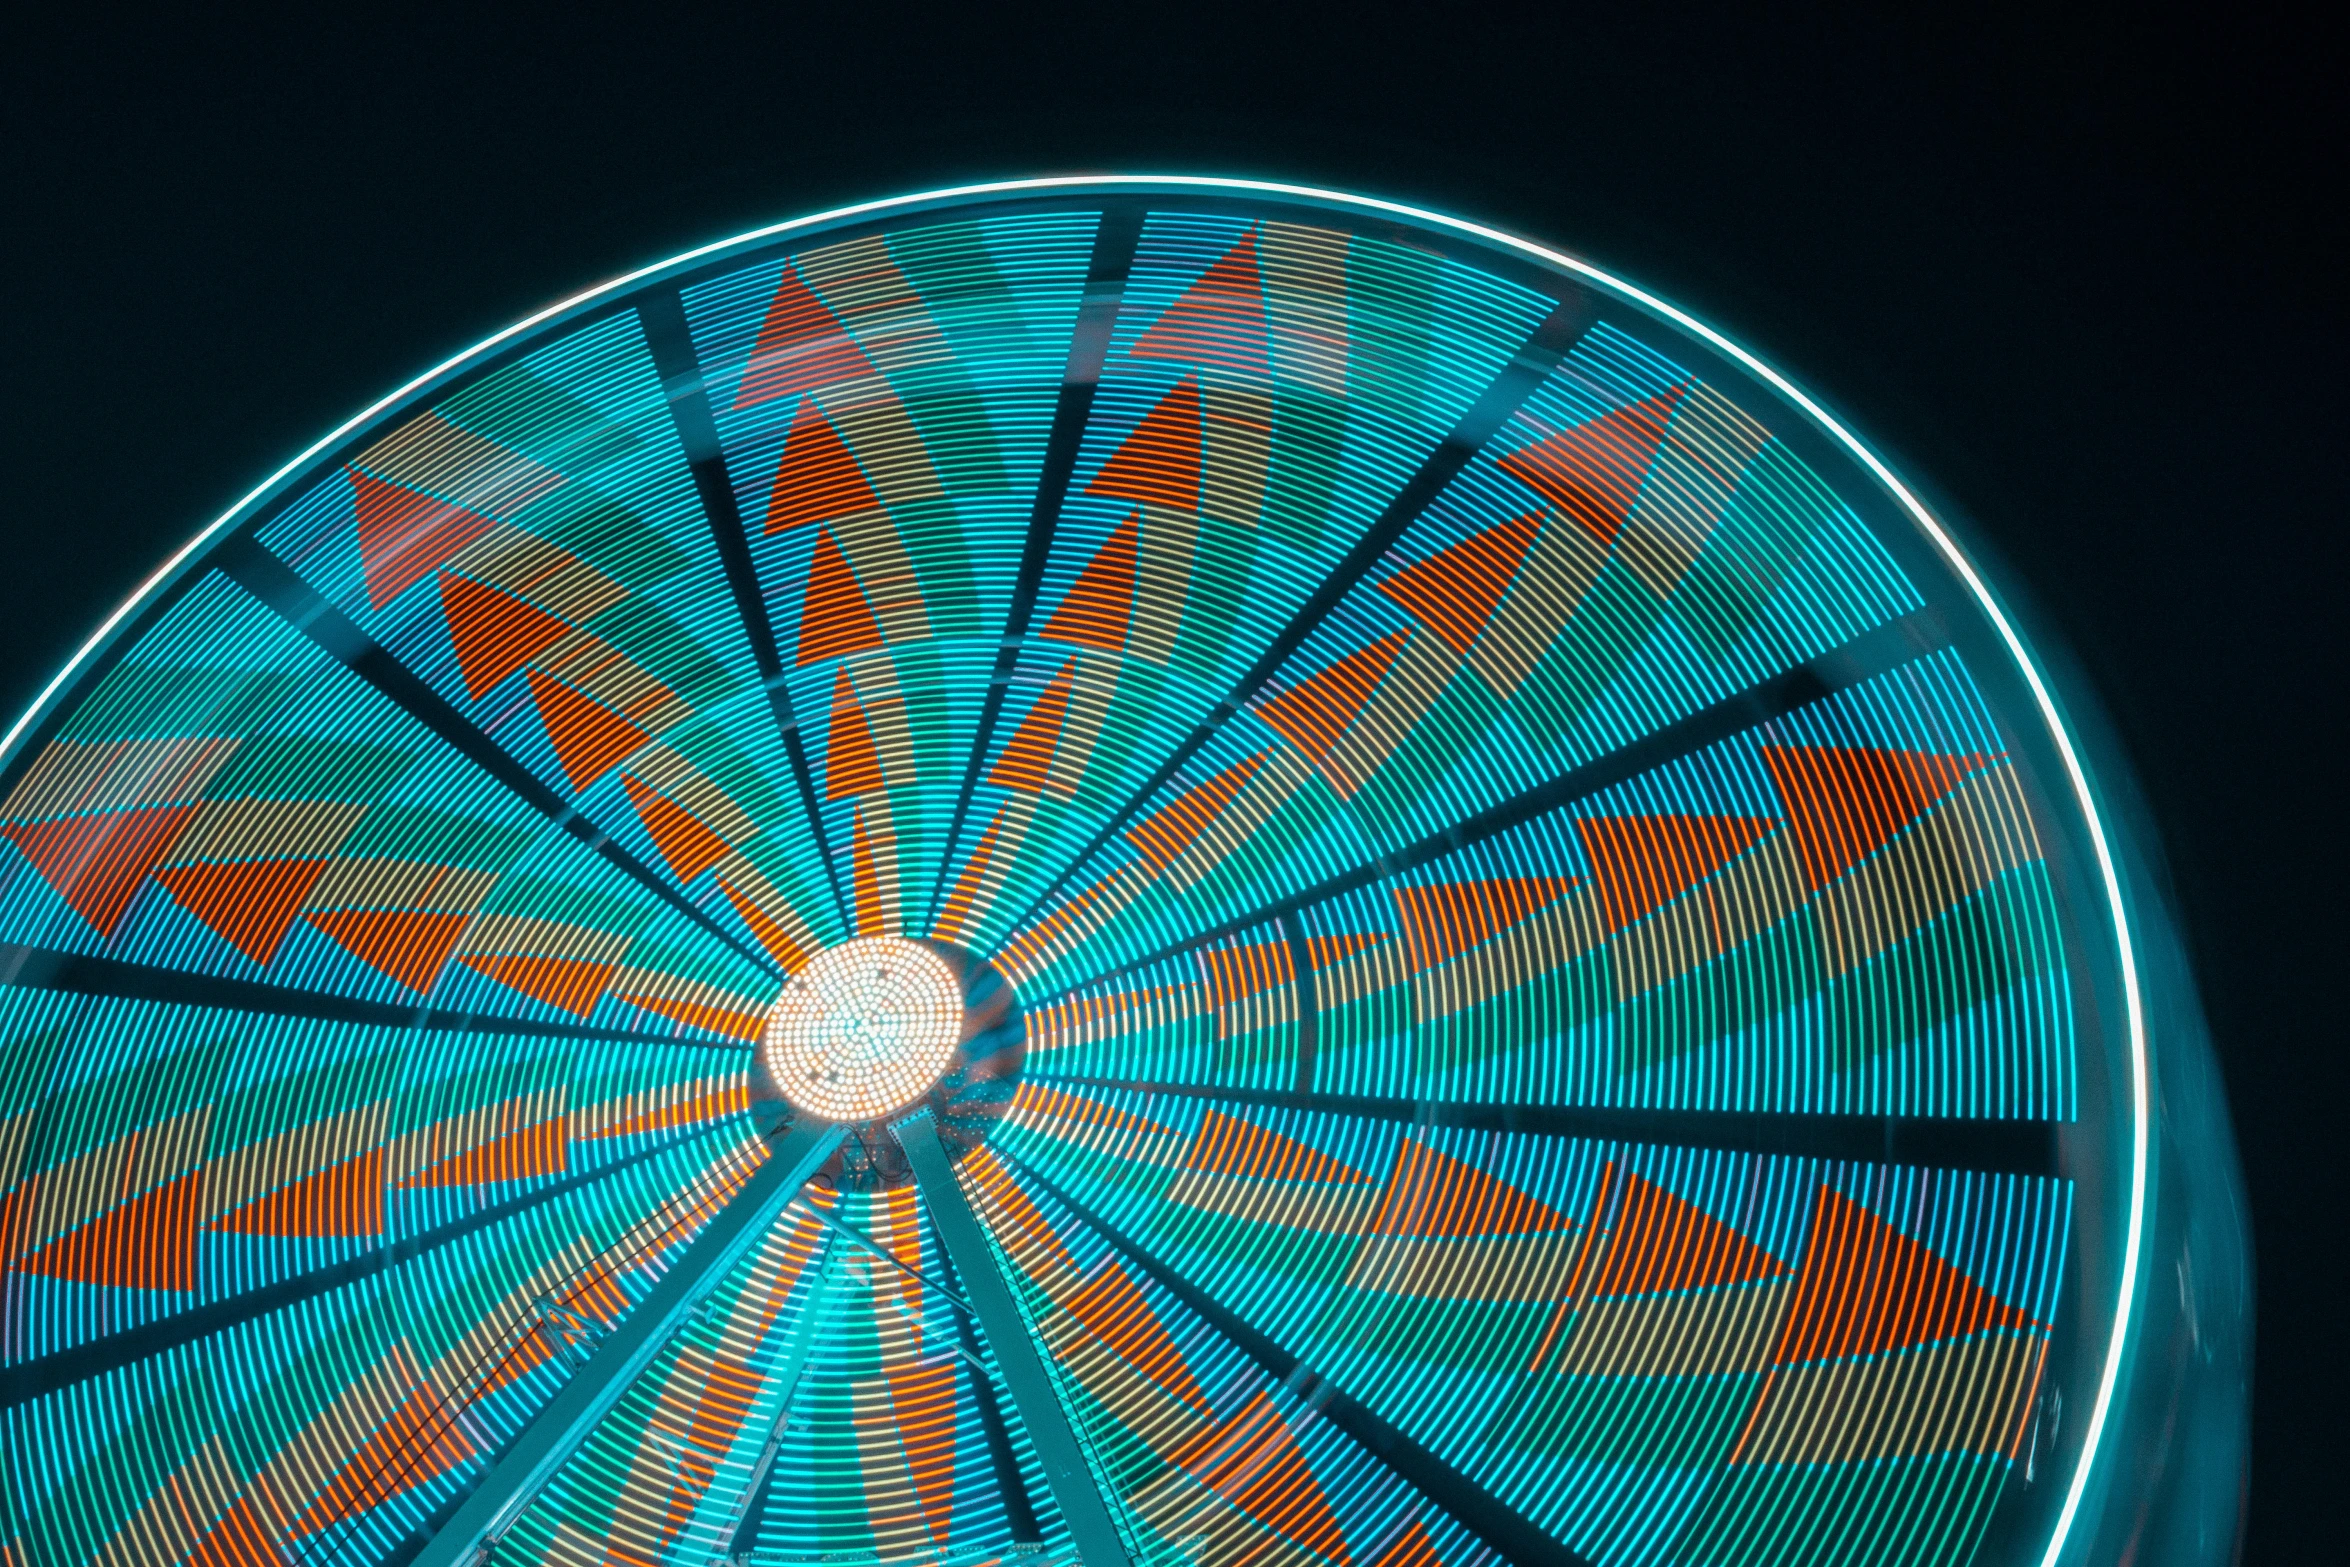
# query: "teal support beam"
(742, 1521)
(1092, 1528)
(548, 1442)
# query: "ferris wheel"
(1110, 870)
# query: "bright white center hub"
(864, 1029)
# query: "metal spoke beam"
(1019, 1506)
(1511, 1534)
(86, 974)
(1536, 358)
(2009, 1147)
(301, 606)
(1092, 1527)
(569, 1418)
(34, 1378)
(742, 1529)
(1870, 654)
(1114, 242)
(680, 369)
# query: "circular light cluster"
(864, 1029)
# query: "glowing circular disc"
(864, 1029)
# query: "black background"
(2077, 273)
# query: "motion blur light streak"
(1425, 838)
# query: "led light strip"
(189, 553)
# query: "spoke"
(1309, 1004)
(548, 1442)
(680, 369)
(2008, 1147)
(82, 974)
(742, 1530)
(1511, 1535)
(1086, 1511)
(1550, 343)
(36, 1378)
(261, 574)
(1019, 1506)
(1105, 287)
(1864, 657)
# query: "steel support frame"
(1093, 1528)
(549, 1441)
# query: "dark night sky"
(2071, 274)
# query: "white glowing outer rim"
(1583, 269)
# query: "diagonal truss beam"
(86, 974)
(1544, 348)
(34, 1378)
(742, 1527)
(548, 1442)
(1511, 1534)
(680, 368)
(1019, 1506)
(2008, 1147)
(261, 574)
(1092, 1527)
(1114, 243)
(1870, 654)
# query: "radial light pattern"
(1564, 1009)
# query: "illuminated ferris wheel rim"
(1944, 544)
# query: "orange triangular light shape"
(835, 619)
(520, 1155)
(1219, 320)
(408, 945)
(1593, 471)
(1026, 762)
(589, 738)
(1443, 920)
(1253, 1461)
(852, 763)
(1455, 591)
(1866, 1289)
(1158, 462)
(1644, 862)
(1113, 1310)
(685, 842)
(249, 904)
(96, 862)
(494, 632)
(346, 1199)
(770, 933)
(1844, 803)
(818, 479)
(1098, 609)
(404, 534)
(954, 915)
(421, 1441)
(147, 1243)
(1660, 1243)
(1181, 822)
(1315, 712)
(1431, 1195)
(801, 347)
(865, 875)
(1227, 1145)
(570, 985)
